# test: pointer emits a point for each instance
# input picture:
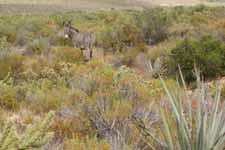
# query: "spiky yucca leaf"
(199, 129)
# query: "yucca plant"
(187, 128)
(156, 68)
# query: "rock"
(140, 61)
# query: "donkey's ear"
(69, 22)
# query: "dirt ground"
(51, 6)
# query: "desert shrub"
(11, 24)
(90, 143)
(4, 50)
(59, 40)
(3, 43)
(33, 66)
(2, 121)
(160, 50)
(109, 40)
(117, 38)
(11, 63)
(38, 46)
(98, 95)
(69, 121)
(110, 98)
(154, 23)
(181, 30)
(129, 56)
(129, 34)
(68, 54)
(44, 101)
(22, 38)
(208, 53)
(8, 97)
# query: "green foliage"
(8, 99)
(68, 54)
(121, 34)
(46, 100)
(38, 46)
(3, 43)
(194, 128)
(109, 98)
(207, 53)
(93, 98)
(90, 143)
(34, 136)
(129, 56)
(154, 23)
(11, 63)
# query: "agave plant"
(193, 129)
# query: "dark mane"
(74, 29)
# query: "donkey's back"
(84, 40)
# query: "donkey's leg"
(90, 50)
(91, 54)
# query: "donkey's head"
(69, 30)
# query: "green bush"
(119, 37)
(90, 143)
(207, 53)
(38, 46)
(129, 56)
(154, 23)
(11, 63)
(45, 100)
(3, 43)
(8, 97)
(109, 40)
(68, 54)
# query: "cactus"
(34, 136)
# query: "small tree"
(154, 23)
(208, 54)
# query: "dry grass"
(73, 3)
(59, 5)
(43, 6)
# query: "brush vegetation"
(129, 96)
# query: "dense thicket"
(207, 53)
